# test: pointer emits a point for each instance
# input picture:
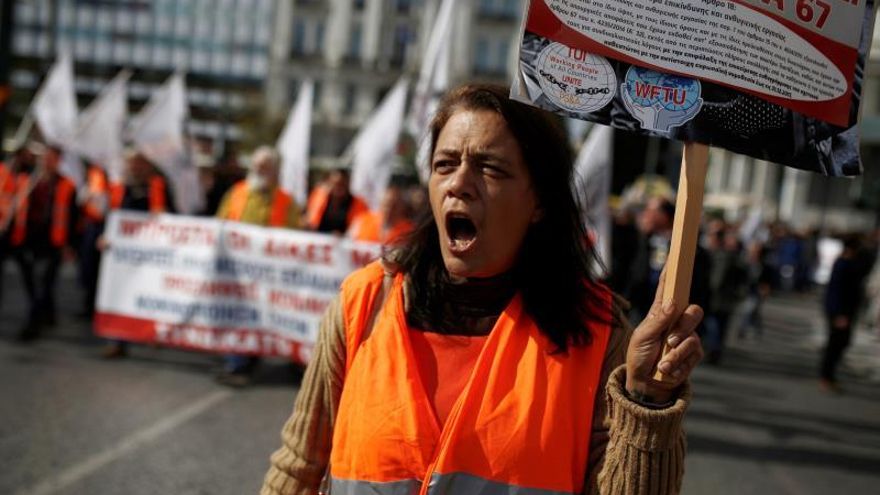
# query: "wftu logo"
(660, 101)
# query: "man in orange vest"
(44, 219)
(94, 201)
(388, 225)
(332, 207)
(144, 189)
(256, 200)
(9, 172)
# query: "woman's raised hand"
(664, 324)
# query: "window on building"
(121, 51)
(299, 37)
(500, 9)
(403, 37)
(316, 95)
(354, 41)
(511, 8)
(359, 4)
(319, 37)
(403, 6)
(490, 55)
(23, 43)
(349, 99)
(260, 66)
(482, 59)
(501, 55)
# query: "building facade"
(355, 51)
(245, 61)
(222, 45)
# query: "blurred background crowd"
(48, 221)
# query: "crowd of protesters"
(45, 219)
(737, 267)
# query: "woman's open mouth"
(462, 232)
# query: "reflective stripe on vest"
(440, 483)
(278, 213)
(522, 424)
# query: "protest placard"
(779, 80)
(215, 286)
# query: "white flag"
(434, 79)
(375, 147)
(593, 186)
(54, 106)
(98, 133)
(293, 145)
(158, 132)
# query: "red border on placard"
(543, 22)
(131, 329)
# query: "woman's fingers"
(658, 321)
(680, 361)
(685, 325)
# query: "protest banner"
(780, 80)
(223, 287)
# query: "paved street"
(71, 423)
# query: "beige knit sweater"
(633, 449)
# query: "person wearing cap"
(44, 219)
(144, 189)
(331, 206)
(256, 200)
(388, 225)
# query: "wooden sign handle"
(685, 230)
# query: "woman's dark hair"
(553, 271)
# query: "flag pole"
(685, 231)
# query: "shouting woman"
(483, 357)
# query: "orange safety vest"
(157, 198)
(94, 208)
(281, 203)
(367, 227)
(522, 424)
(7, 193)
(64, 192)
(317, 205)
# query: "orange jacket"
(522, 423)
(65, 190)
(281, 203)
(317, 205)
(368, 227)
(95, 207)
(7, 193)
(158, 198)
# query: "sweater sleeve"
(633, 449)
(298, 467)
